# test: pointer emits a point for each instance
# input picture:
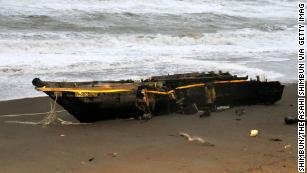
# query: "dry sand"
(133, 146)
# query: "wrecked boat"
(157, 95)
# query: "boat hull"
(95, 106)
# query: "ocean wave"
(118, 23)
(245, 40)
(79, 40)
(90, 67)
(63, 68)
(271, 8)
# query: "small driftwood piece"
(195, 139)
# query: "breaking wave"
(81, 40)
(250, 8)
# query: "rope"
(230, 81)
(110, 90)
(23, 122)
(50, 118)
(77, 90)
(173, 91)
(29, 114)
(160, 92)
(191, 86)
(62, 122)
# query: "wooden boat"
(100, 100)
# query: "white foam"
(246, 45)
(63, 67)
(80, 56)
(258, 9)
(242, 40)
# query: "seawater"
(84, 40)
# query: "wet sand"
(117, 146)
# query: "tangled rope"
(50, 117)
(30, 114)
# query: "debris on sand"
(190, 109)
(240, 112)
(114, 154)
(222, 108)
(205, 113)
(287, 146)
(275, 139)
(91, 159)
(195, 139)
(254, 133)
(291, 120)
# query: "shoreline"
(124, 145)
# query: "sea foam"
(75, 40)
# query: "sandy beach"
(122, 145)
